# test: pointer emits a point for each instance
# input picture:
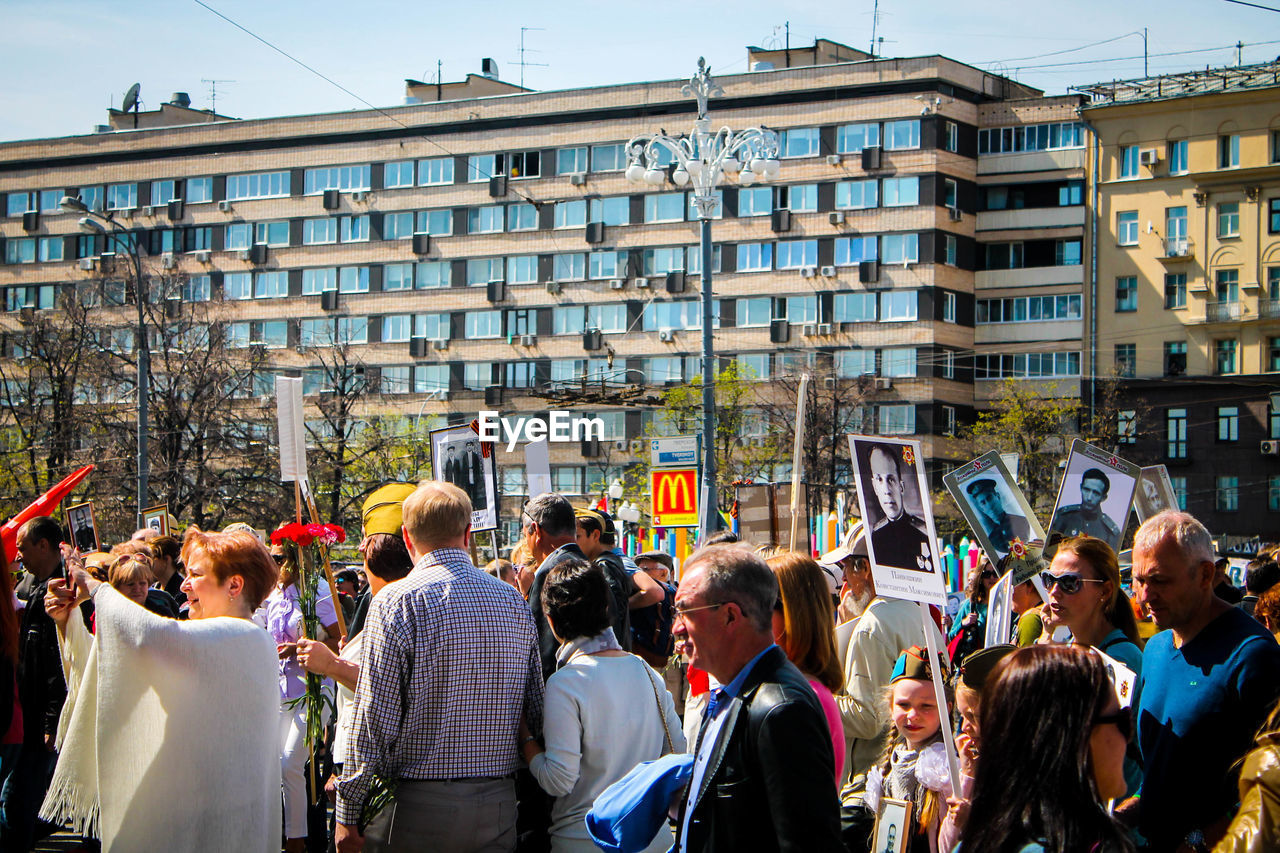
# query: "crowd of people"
(574, 698)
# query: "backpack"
(621, 587)
(651, 628)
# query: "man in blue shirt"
(1208, 681)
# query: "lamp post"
(110, 229)
(701, 158)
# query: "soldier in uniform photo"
(1087, 518)
(473, 477)
(900, 539)
(1001, 526)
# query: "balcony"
(1029, 276)
(1222, 312)
(1269, 308)
(1178, 250)
(1033, 217)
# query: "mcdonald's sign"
(674, 494)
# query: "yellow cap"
(383, 509)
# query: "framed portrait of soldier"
(1155, 492)
(458, 456)
(892, 833)
(1095, 495)
(996, 509)
(157, 518)
(893, 496)
(82, 526)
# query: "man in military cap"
(381, 520)
(1001, 526)
(1087, 518)
(899, 540)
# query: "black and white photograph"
(1155, 492)
(996, 509)
(83, 526)
(458, 456)
(893, 827)
(156, 518)
(1000, 611)
(893, 496)
(1095, 495)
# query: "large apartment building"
(1187, 292)
(479, 244)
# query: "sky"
(67, 61)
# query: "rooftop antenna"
(213, 92)
(875, 19)
(131, 102)
(524, 50)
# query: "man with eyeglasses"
(763, 766)
(1209, 679)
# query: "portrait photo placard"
(157, 518)
(996, 509)
(1095, 495)
(892, 833)
(893, 496)
(458, 456)
(1155, 492)
(83, 527)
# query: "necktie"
(718, 702)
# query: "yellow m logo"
(673, 492)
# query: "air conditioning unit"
(1149, 156)
(528, 340)
(167, 261)
(595, 232)
(780, 221)
(868, 272)
(833, 159)
(440, 343)
(359, 195)
(592, 340)
(956, 214)
(779, 331)
(578, 178)
(493, 395)
(553, 287)
(86, 263)
(675, 281)
(883, 383)
(225, 205)
(590, 448)
(332, 199)
(809, 329)
(836, 217)
(495, 291)
(637, 445)
(329, 300)
(808, 272)
(201, 255)
(824, 329)
(497, 186)
(258, 253)
(666, 335)
(871, 157)
(617, 283)
(31, 220)
(828, 272)
(1270, 447)
(421, 244)
(175, 209)
(149, 210)
(642, 283)
(128, 212)
(417, 347)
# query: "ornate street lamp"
(700, 159)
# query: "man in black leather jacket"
(764, 772)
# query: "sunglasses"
(1121, 719)
(279, 558)
(989, 574)
(1071, 582)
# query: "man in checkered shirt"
(450, 666)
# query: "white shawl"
(168, 736)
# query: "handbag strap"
(666, 732)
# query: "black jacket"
(622, 587)
(40, 682)
(547, 642)
(770, 780)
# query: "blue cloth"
(1199, 708)
(965, 609)
(627, 815)
(1117, 645)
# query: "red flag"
(603, 504)
(41, 506)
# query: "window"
(1227, 286)
(898, 306)
(397, 226)
(396, 379)
(567, 479)
(91, 196)
(1175, 290)
(950, 191)
(485, 220)
(1127, 227)
(1032, 137)
(239, 235)
(1127, 426)
(951, 142)
(1229, 219)
(522, 269)
(1273, 493)
(898, 362)
(608, 158)
(1036, 365)
(799, 142)
(237, 285)
(753, 365)
(317, 332)
(1273, 216)
(1071, 193)
(609, 318)
(197, 288)
(482, 324)
(397, 277)
(353, 280)
(1227, 494)
(481, 271)
(437, 223)
(1229, 151)
(1129, 161)
(857, 195)
(607, 265)
(852, 138)
(898, 419)
(274, 234)
(900, 248)
(571, 161)
(755, 201)
(163, 192)
(950, 249)
(754, 257)
(345, 178)
(396, 175)
(524, 164)
(199, 238)
(319, 280)
(798, 198)
(802, 309)
(353, 229)
(901, 192)
(199, 190)
(753, 312)
(1273, 356)
(20, 250)
(19, 203)
(1177, 156)
(476, 375)
(435, 172)
(1228, 423)
(568, 320)
(316, 231)
(1126, 360)
(482, 167)
(432, 274)
(664, 207)
(854, 250)
(271, 285)
(522, 217)
(569, 267)
(261, 185)
(855, 362)
(520, 374)
(522, 321)
(794, 254)
(432, 326)
(899, 135)
(611, 211)
(948, 307)
(1172, 348)
(1224, 356)
(238, 335)
(1126, 293)
(122, 196)
(571, 214)
(1066, 253)
(673, 315)
(49, 249)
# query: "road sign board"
(674, 496)
(680, 450)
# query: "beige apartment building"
(1187, 291)
(479, 247)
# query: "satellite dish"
(131, 98)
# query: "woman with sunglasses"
(1041, 784)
